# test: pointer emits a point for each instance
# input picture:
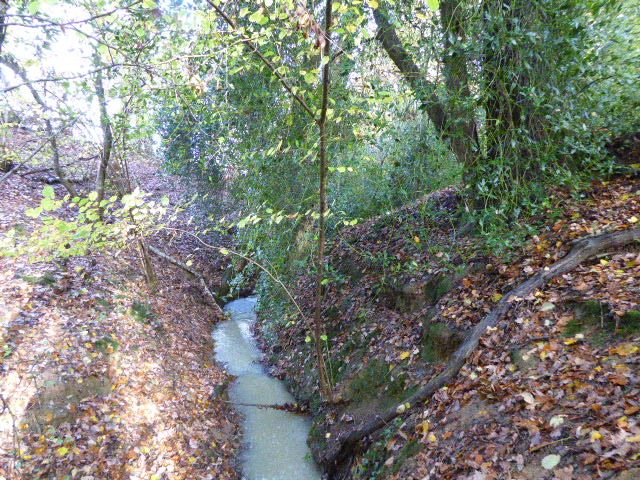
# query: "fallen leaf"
(550, 461)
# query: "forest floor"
(99, 377)
(552, 392)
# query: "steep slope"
(557, 376)
(101, 378)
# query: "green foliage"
(142, 311)
(110, 223)
(556, 86)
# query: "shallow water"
(275, 445)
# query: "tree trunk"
(461, 126)
(457, 124)
(107, 134)
(4, 6)
(325, 381)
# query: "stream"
(275, 445)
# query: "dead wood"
(342, 444)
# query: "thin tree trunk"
(107, 134)
(325, 381)
(11, 62)
(4, 6)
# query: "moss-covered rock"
(376, 380)
(439, 341)
(522, 360)
(629, 323)
(598, 323)
(417, 294)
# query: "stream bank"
(406, 291)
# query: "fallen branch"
(295, 408)
(35, 152)
(341, 445)
(192, 272)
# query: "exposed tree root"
(341, 445)
(192, 272)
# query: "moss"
(444, 286)
(408, 451)
(439, 341)
(376, 380)
(630, 323)
(107, 344)
(142, 311)
(45, 280)
(104, 303)
(597, 323)
(522, 361)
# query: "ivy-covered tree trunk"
(325, 381)
(461, 126)
(453, 117)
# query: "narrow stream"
(275, 445)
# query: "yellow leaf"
(416, 239)
(633, 219)
(496, 297)
(634, 439)
(625, 349)
(373, 4)
(432, 438)
(595, 435)
(193, 459)
(425, 426)
(62, 451)
(405, 355)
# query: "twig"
(548, 444)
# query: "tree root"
(341, 445)
(190, 271)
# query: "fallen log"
(340, 446)
(197, 275)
